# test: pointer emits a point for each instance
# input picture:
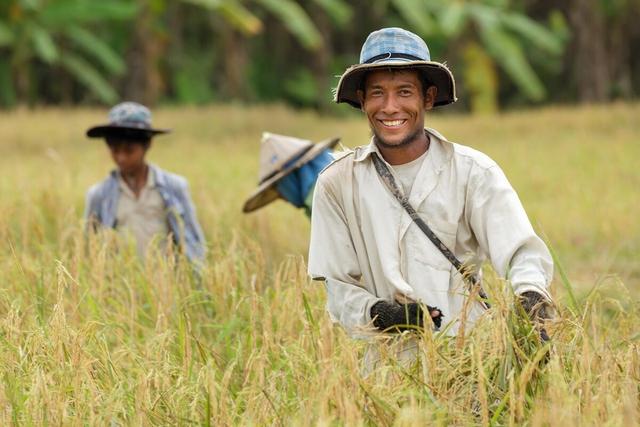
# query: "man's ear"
(360, 95)
(430, 97)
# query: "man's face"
(395, 103)
(128, 155)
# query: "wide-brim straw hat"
(127, 120)
(397, 49)
(279, 156)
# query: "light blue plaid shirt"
(102, 205)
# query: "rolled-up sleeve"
(333, 259)
(505, 234)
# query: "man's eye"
(376, 93)
(405, 92)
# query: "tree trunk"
(591, 63)
(144, 83)
(624, 35)
(321, 64)
(176, 43)
(620, 53)
(234, 65)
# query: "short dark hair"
(422, 76)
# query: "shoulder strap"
(390, 182)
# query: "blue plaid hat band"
(392, 55)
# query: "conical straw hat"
(279, 156)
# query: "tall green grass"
(90, 336)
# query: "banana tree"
(488, 33)
(245, 19)
(57, 34)
(244, 16)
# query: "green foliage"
(339, 10)
(452, 19)
(96, 47)
(191, 81)
(302, 88)
(89, 76)
(296, 20)
(291, 16)
(43, 44)
(500, 31)
(480, 78)
(234, 12)
(508, 53)
(538, 35)
(48, 32)
(527, 52)
(418, 14)
(60, 13)
(7, 92)
(6, 36)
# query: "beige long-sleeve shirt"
(367, 248)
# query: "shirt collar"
(159, 178)
(362, 153)
(438, 154)
(151, 180)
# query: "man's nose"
(119, 158)
(390, 104)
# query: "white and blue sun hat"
(395, 48)
(127, 119)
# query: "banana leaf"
(339, 10)
(296, 20)
(97, 48)
(86, 74)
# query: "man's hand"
(391, 315)
(538, 309)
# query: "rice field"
(91, 336)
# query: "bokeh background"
(504, 53)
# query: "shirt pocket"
(424, 252)
(428, 270)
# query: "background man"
(289, 168)
(138, 198)
(376, 263)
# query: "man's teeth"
(392, 122)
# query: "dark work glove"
(391, 315)
(538, 309)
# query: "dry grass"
(90, 336)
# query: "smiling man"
(381, 265)
(138, 199)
